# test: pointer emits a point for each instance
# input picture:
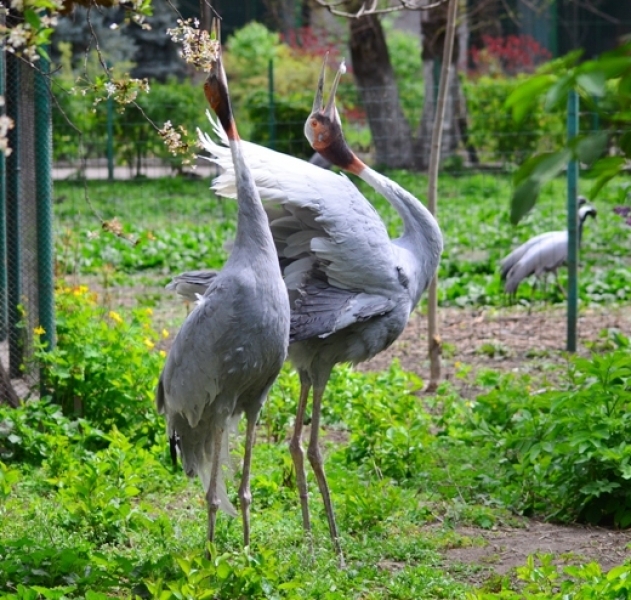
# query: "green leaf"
(593, 83)
(625, 143)
(590, 148)
(526, 94)
(526, 169)
(32, 18)
(604, 170)
(558, 93)
(551, 165)
(524, 198)
(223, 569)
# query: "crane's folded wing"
(545, 254)
(321, 310)
(316, 214)
(513, 258)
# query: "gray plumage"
(192, 284)
(351, 288)
(233, 344)
(540, 255)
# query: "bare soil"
(500, 550)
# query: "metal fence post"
(572, 226)
(43, 186)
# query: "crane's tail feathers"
(204, 468)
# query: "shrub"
(105, 364)
(29, 433)
(289, 120)
(386, 436)
(404, 49)
(493, 131)
(566, 454)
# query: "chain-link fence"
(26, 222)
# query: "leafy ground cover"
(435, 496)
(91, 507)
(179, 224)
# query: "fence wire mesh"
(170, 222)
(26, 222)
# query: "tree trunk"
(391, 134)
(433, 23)
(434, 341)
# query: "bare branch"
(594, 9)
(373, 10)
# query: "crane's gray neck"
(421, 234)
(253, 232)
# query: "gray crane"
(351, 288)
(233, 344)
(541, 254)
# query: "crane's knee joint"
(246, 497)
(314, 455)
(295, 447)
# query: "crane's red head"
(216, 91)
(323, 128)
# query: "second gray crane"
(542, 254)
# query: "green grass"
(91, 507)
(179, 224)
(116, 519)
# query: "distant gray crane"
(541, 254)
(351, 288)
(233, 344)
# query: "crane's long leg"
(317, 464)
(245, 496)
(563, 292)
(298, 454)
(211, 495)
(532, 294)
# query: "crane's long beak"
(318, 102)
(216, 88)
(329, 109)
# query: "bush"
(492, 129)
(114, 387)
(541, 579)
(566, 454)
(289, 120)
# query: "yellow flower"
(115, 316)
(39, 330)
(149, 311)
(457, 364)
(162, 353)
(148, 343)
(165, 333)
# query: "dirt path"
(502, 549)
(504, 339)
